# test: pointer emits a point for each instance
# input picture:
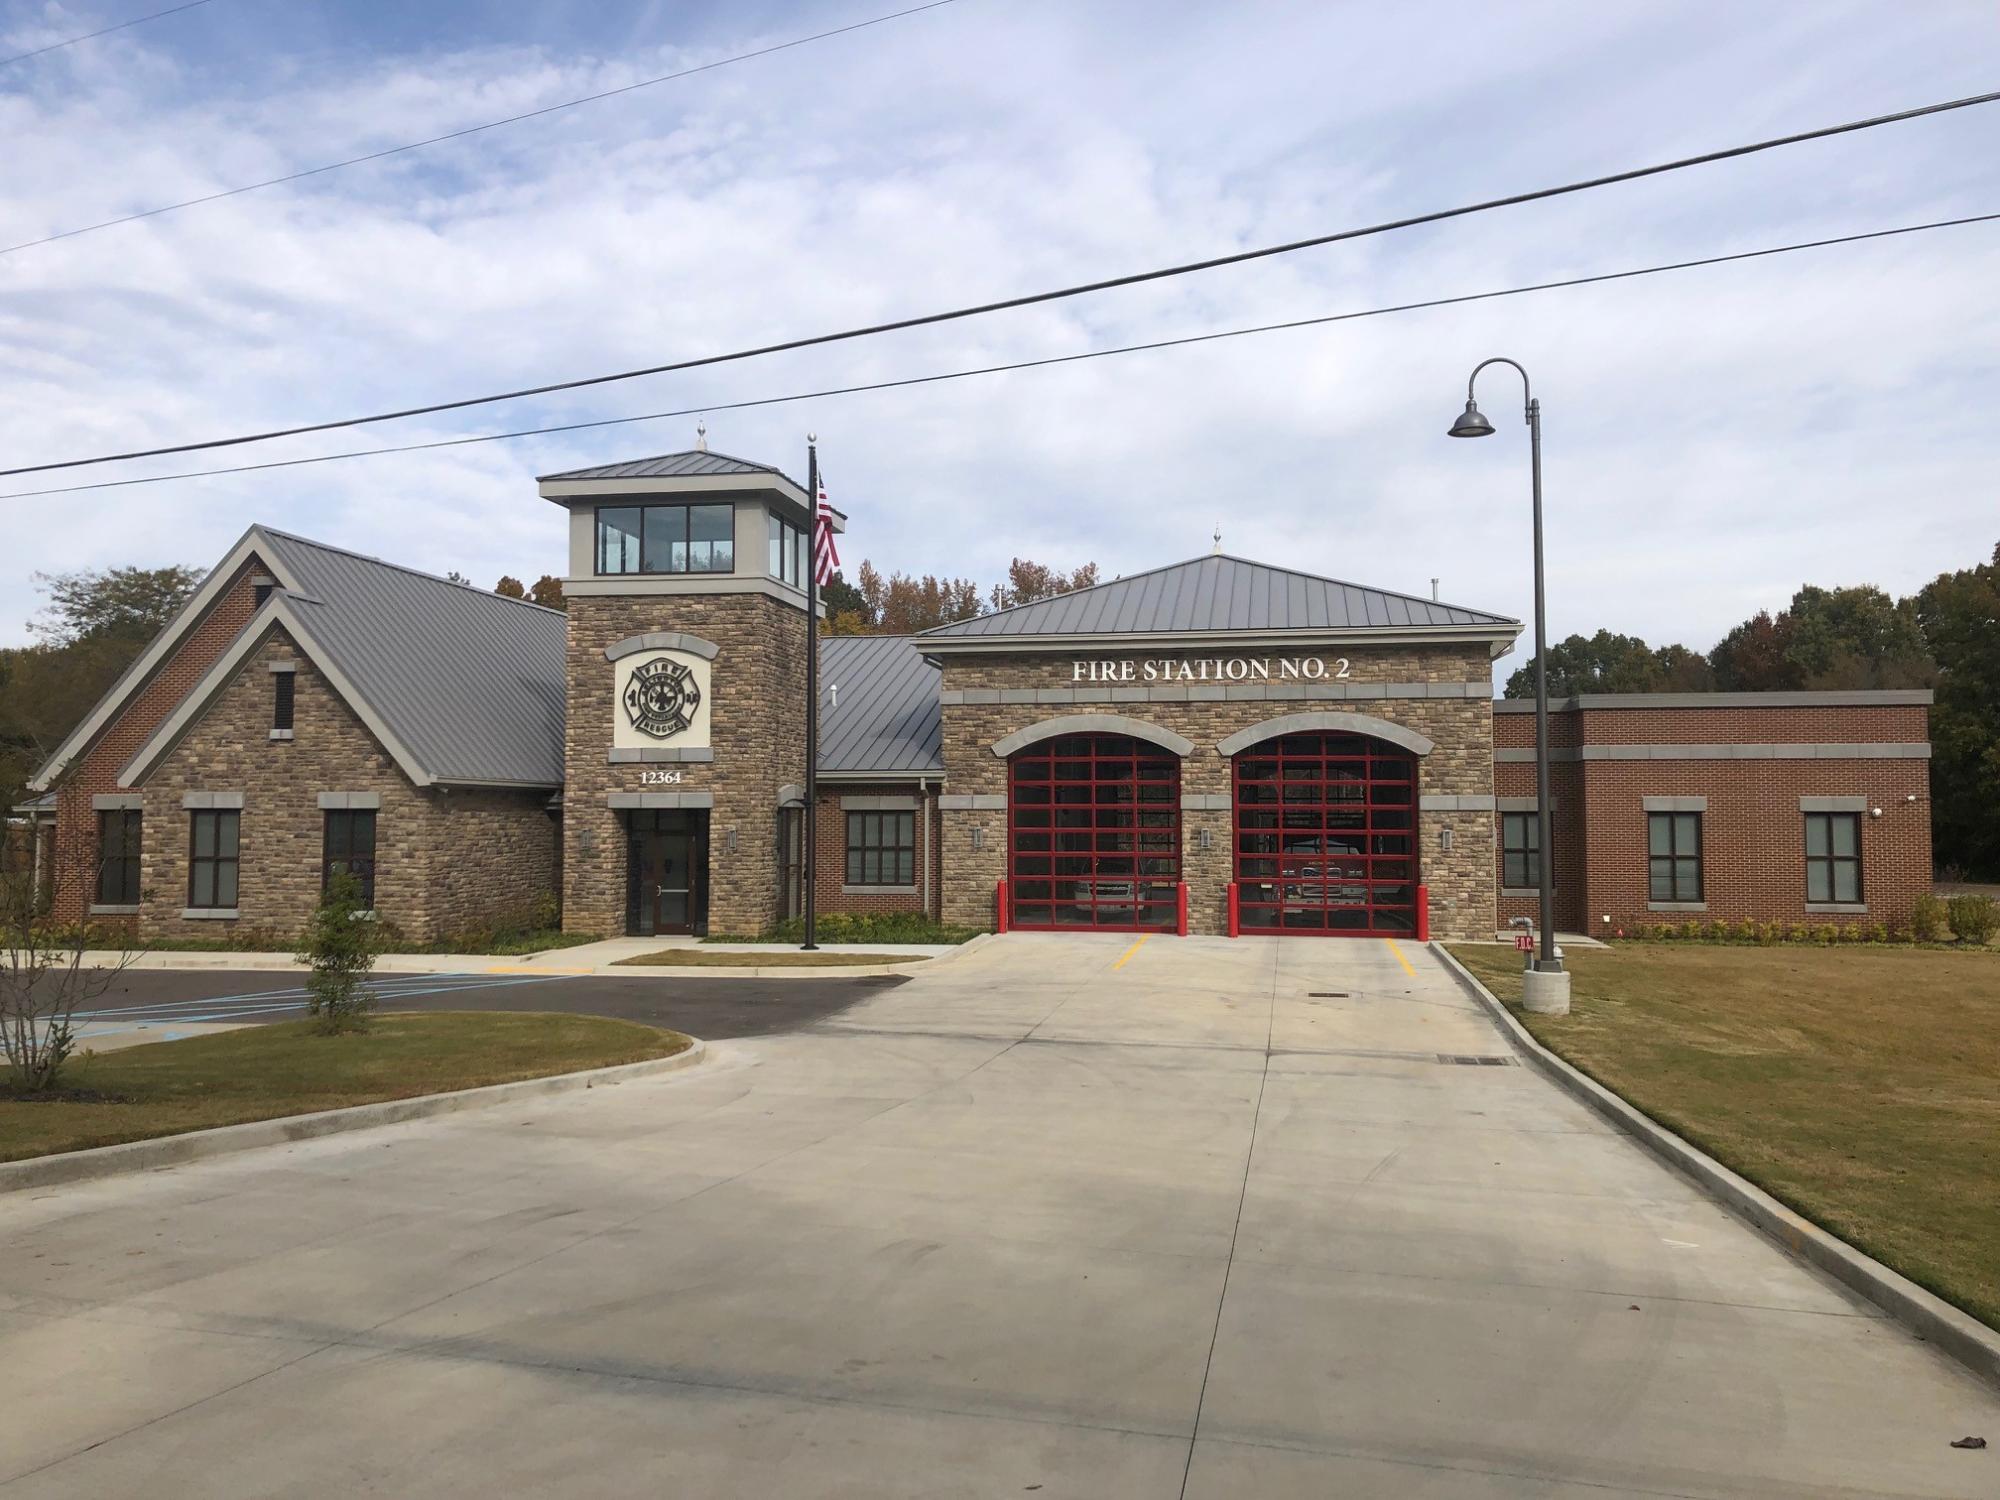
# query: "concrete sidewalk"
(1074, 1216)
(601, 957)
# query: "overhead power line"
(1024, 364)
(1029, 299)
(172, 10)
(454, 135)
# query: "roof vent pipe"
(1434, 591)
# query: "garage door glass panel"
(1093, 835)
(1324, 836)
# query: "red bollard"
(1423, 914)
(1000, 907)
(1180, 896)
(1235, 918)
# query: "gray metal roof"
(469, 681)
(878, 705)
(690, 465)
(1219, 592)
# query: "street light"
(1544, 987)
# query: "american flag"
(825, 558)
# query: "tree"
(847, 613)
(903, 605)
(1608, 663)
(547, 592)
(510, 587)
(1829, 638)
(1960, 617)
(1030, 582)
(454, 576)
(44, 981)
(125, 604)
(1752, 659)
(339, 944)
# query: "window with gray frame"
(1833, 857)
(882, 848)
(788, 552)
(348, 848)
(666, 539)
(118, 857)
(1673, 856)
(213, 839)
(1521, 851)
(281, 700)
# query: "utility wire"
(1027, 300)
(453, 135)
(1025, 364)
(8, 62)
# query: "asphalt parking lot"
(714, 1009)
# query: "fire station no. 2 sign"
(662, 697)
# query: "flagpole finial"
(812, 437)
(1218, 542)
(701, 436)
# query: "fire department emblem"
(661, 698)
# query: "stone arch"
(663, 640)
(1138, 729)
(1331, 720)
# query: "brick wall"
(1753, 829)
(96, 770)
(831, 890)
(757, 728)
(1460, 878)
(444, 860)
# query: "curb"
(199, 1145)
(1932, 1319)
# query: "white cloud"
(1715, 438)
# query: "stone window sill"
(1676, 906)
(99, 910)
(1837, 908)
(1525, 892)
(210, 913)
(281, 734)
(879, 890)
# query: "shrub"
(1853, 932)
(1973, 918)
(340, 942)
(1826, 934)
(865, 927)
(1879, 933)
(1928, 919)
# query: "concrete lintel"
(663, 640)
(1138, 729)
(1674, 804)
(1833, 804)
(1336, 721)
(350, 801)
(1205, 801)
(973, 802)
(117, 802)
(212, 799)
(661, 800)
(865, 802)
(1524, 804)
(1454, 802)
(282, 666)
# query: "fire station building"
(1214, 745)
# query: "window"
(118, 857)
(259, 593)
(281, 700)
(882, 848)
(349, 847)
(666, 539)
(788, 552)
(1833, 857)
(1521, 851)
(1673, 849)
(212, 846)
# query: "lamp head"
(1471, 423)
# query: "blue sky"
(1714, 438)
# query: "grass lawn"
(726, 958)
(259, 1072)
(1861, 1086)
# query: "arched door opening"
(1093, 835)
(1326, 836)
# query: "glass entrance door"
(668, 873)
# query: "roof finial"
(701, 435)
(1217, 550)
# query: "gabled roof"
(878, 705)
(694, 464)
(461, 686)
(1218, 593)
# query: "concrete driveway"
(1059, 1217)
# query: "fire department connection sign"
(661, 701)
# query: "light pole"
(1544, 987)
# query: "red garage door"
(1326, 828)
(1093, 834)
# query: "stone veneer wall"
(757, 728)
(445, 861)
(1443, 692)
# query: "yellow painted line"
(1400, 958)
(1130, 951)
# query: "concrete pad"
(1059, 1212)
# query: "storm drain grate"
(1475, 1062)
(1326, 994)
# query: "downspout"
(924, 838)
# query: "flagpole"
(811, 871)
